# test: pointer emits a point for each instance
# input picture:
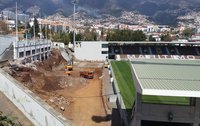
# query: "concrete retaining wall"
(32, 106)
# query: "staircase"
(8, 53)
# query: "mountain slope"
(160, 11)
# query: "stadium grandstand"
(164, 89)
(153, 48)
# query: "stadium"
(154, 83)
(157, 83)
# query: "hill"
(159, 11)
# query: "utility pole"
(16, 24)
(34, 24)
(46, 30)
(74, 23)
(26, 28)
(16, 41)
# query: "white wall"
(90, 50)
(32, 106)
(59, 44)
(5, 42)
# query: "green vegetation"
(166, 37)
(68, 37)
(123, 75)
(188, 32)
(89, 35)
(61, 37)
(166, 100)
(3, 28)
(37, 29)
(8, 121)
(151, 38)
(125, 35)
(125, 82)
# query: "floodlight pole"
(16, 40)
(74, 24)
(34, 25)
(16, 24)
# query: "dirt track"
(80, 97)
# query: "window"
(104, 52)
(33, 51)
(104, 46)
(21, 54)
(28, 53)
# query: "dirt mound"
(51, 83)
(53, 61)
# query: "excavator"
(87, 73)
(68, 68)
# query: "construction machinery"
(69, 66)
(106, 64)
(87, 73)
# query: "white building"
(91, 50)
(32, 51)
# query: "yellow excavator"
(68, 68)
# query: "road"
(9, 109)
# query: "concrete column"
(197, 112)
(31, 55)
(44, 56)
(167, 50)
(197, 51)
(140, 49)
(40, 57)
(150, 50)
(138, 109)
(177, 51)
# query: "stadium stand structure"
(154, 49)
(167, 92)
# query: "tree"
(151, 38)
(37, 29)
(3, 28)
(188, 32)
(89, 35)
(61, 37)
(7, 121)
(78, 37)
(125, 35)
(166, 37)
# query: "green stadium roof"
(165, 77)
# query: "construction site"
(74, 90)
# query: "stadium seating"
(145, 49)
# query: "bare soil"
(80, 97)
